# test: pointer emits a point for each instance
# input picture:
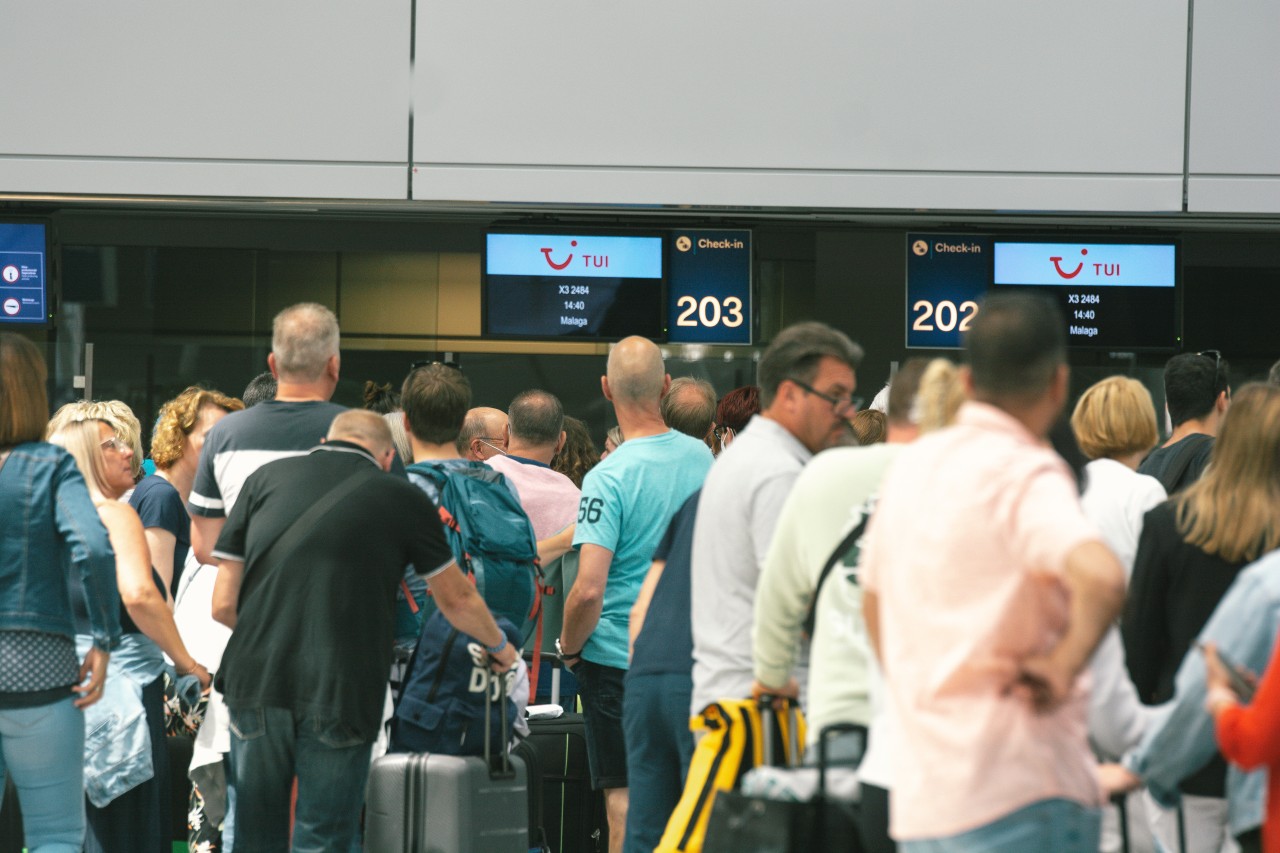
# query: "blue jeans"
(269, 746)
(655, 719)
(1048, 826)
(43, 748)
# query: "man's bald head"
(635, 371)
(364, 428)
(485, 428)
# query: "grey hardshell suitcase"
(426, 803)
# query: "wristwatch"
(564, 658)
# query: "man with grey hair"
(806, 380)
(690, 407)
(483, 434)
(627, 502)
(304, 360)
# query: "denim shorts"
(601, 690)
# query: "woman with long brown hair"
(50, 535)
(1190, 551)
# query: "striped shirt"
(243, 442)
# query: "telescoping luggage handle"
(768, 721)
(505, 770)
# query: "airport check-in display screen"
(576, 286)
(1113, 295)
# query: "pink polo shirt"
(549, 498)
(966, 550)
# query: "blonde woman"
(124, 813)
(161, 499)
(1115, 425)
(1191, 549)
(124, 422)
(940, 396)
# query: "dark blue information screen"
(709, 288)
(947, 276)
(23, 294)
(1113, 295)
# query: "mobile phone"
(1241, 684)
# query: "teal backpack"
(490, 536)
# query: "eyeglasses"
(416, 364)
(838, 404)
(489, 441)
(117, 444)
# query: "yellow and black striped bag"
(734, 731)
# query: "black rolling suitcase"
(573, 815)
(421, 803)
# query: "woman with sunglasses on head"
(128, 808)
(49, 533)
(1189, 552)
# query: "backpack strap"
(540, 591)
(413, 605)
(850, 539)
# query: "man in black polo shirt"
(304, 673)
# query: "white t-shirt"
(737, 513)
(1115, 499)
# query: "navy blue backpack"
(442, 704)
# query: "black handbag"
(743, 823)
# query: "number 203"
(944, 314)
(710, 311)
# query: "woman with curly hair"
(161, 499)
(579, 454)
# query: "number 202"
(944, 323)
(709, 311)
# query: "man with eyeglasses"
(483, 434)
(806, 380)
(1197, 394)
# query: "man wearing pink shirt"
(986, 592)
(532, 435)
(534, 432)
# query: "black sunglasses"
(414, 365)
(1213, 354)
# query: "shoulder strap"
(302, 526)
(811, 618)
(1188, 450)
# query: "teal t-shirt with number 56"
(627, 502)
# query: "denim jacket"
(50, 526)
(1181, 737)
(117, 742)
